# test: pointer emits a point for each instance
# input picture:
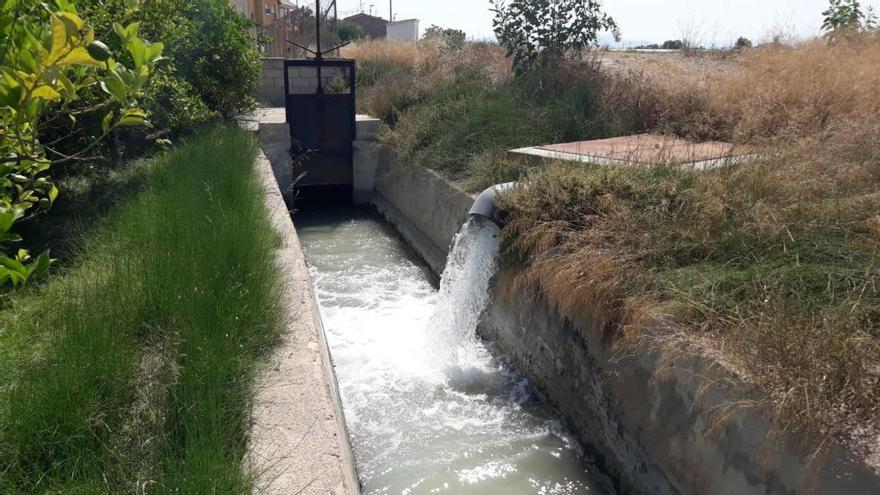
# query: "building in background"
(378, 28)
(262, 12)
(374, 27)
(406, 30)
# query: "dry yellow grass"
(815, 90)
(775, 264)
(399, 53)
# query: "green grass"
(132, 367)
(462, 122)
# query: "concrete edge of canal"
(299, 442)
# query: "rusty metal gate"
(320, 110)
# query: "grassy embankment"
(774, 264)
(130, 369)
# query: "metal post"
(390, 10)
(319, 58)
(336, 24)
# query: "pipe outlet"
(486, 206)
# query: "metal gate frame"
(322, 126)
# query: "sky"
(710, 22)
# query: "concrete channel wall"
(426, 209)
(299, 441)
(656, 423)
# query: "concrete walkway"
(299, 443)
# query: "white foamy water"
(429, 407)
(464, 292)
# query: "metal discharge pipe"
(485, 205)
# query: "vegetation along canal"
(430, 409)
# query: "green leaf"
(114, 86)
(134, 117)
(153, 52)
(40, 265)
(126, 33)
(60, 41)
(46, 92)
(73, 22)
(132, 29)
(107, 121)
(7, 218)
(26, 58)
(10, 88)
(80, 56)
(138, 51)
(119, 30)
(7, 5)
(65, 5)
(13, 266)
(53, 193)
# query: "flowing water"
(429, 407)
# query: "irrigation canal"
(430, 408)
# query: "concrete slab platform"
(642, 149)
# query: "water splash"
(424, 421)
(464, 289)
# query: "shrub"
(219, 58)
(214, 65)
(450, 39)
(533, 32)
(743, 42)
(349, 31)
(847, 17)
(48, 57)
(673, 45)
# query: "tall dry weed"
(784, 92)
(774, 263)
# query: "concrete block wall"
(303, 80)
(271, 90)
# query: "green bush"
(214, 65)
(844, 17)
(49, 56)
(349, 31)
(743, 42)
(534, 32)
(219, 57)
(450, 39)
